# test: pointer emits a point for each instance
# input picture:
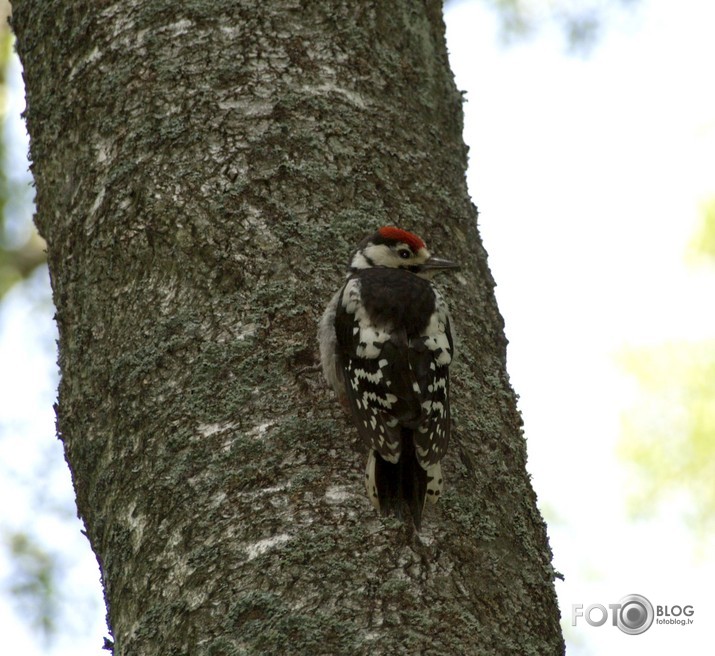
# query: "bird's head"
(395, 248)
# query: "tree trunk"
(203, 170)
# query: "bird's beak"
(439, 264)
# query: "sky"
(589, 174)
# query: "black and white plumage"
(385, 347)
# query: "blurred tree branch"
(18, 257)
(581, 21)
(19, 263)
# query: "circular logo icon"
(635, 614)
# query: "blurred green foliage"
(702, 246)
(33, 582)
(669, 434)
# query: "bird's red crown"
(413, 241)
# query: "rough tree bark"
(203, 169)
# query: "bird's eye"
(405, 253)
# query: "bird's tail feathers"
(398, 489)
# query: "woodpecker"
(385, 348)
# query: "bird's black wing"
(430, 356)
(381, 387)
